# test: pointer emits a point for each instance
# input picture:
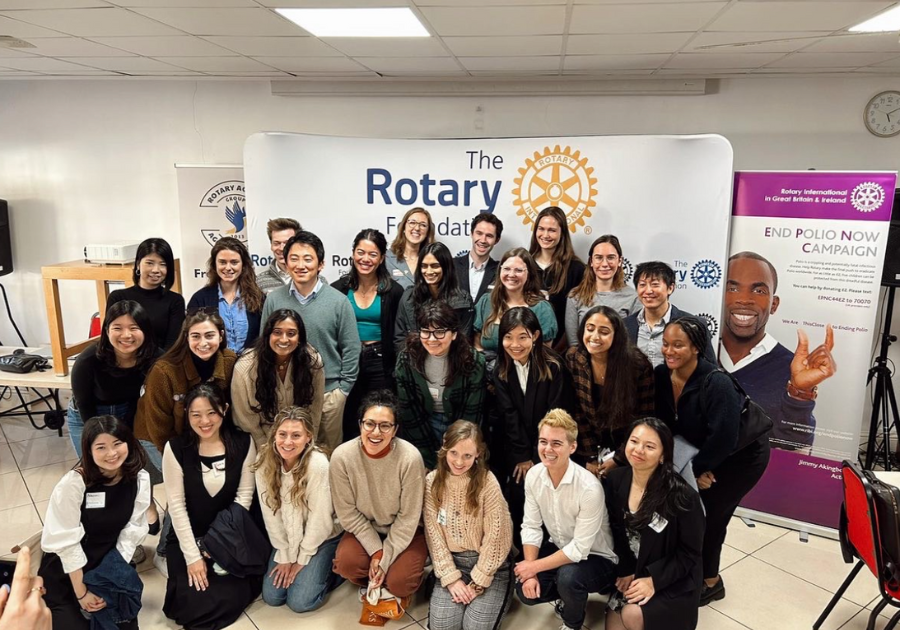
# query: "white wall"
(86, 161)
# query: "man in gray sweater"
(330, 327)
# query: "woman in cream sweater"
(295, 496)
(469, 535)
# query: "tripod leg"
(873, 423)
(895, 416)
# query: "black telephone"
(21, 363)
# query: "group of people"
(533, 424)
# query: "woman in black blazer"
(657, 526)
(529, 380)
(700, 403)
(375, 298)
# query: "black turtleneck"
(165, 308)
(205, 368)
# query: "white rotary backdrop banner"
(666, 197)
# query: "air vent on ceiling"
(7, 41)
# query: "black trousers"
(734, 479)
(372, 376)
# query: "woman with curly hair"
(295, 497)
(232, 290)
(281, 370)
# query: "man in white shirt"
(476, 271)
(578, 559)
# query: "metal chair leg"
(875, 612)
(840, 592)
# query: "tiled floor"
(774, 581)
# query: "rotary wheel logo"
(556, 177)
(711, 323)
(628, 269)
(706, 274)
(867, 197)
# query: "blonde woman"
(416, 230)
(295, 497)
(469, 535)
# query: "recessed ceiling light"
(887, 21)
(393, 22)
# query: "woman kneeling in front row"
(295, 496)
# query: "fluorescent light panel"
(384, 22)
(887, 21)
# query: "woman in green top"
(519, 286)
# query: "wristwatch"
(802, 394)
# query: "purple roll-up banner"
(799, 319)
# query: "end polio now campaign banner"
(800, 311)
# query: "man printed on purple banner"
(782, 382)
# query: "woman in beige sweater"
(282, 370)
(469, 535)
(295, 497)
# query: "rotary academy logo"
(867, 197)
(227, 196)
(705, 274)
(556, 177)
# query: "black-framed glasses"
(438, 333)
(371, 425)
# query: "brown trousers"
(404, 576)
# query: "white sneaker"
(160, 563)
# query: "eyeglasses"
(417, 224)
(438, 333)
(611, 258)
(383, 427)
(516, 271)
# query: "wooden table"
(34, 381)
(101, 275)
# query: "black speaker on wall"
(890, 277)
(6, 260)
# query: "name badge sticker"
(95, 500)
(442, 517)
(658, 524)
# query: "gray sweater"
(330, 328)
(624, 301)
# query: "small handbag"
(755, 422)
(20, 363)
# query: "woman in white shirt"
(295, 497)
(98, 507)
(205, 470)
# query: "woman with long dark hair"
(603, 284)
(561, 270)
(519, 285)
(232, 290)
(613, 383)
(657, 525)
(375, 298)
(108, 376)
(282, 370)
(440, 379)
(98, 507)
(529, 380)
(469, 535)
(206, 469)
(295, 497)
(153, 276)
(415, 231)
(435, 281)
(702, 405)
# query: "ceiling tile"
(213, 64)
(225, 21)
(795, 16)
(703, 72)
(387, 46)
(72, 47)
(876, 42)
(332, 4)
(183, 3)
(889, 67)
(271, 73)
(51, 4)
(421, 65)
(512, 64)
(789, 41)
(276, 46)
(130, 65)
(722, 60)
(15, 52)
(832, 60)
(643, 18)
(614, 62)
(604, 72)
(479, 3)
(632, 43)
(496, 21)
(179, 46)
(515, 46)
(44, 64)
(17, 28)
(312, 64)
(93, 22)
